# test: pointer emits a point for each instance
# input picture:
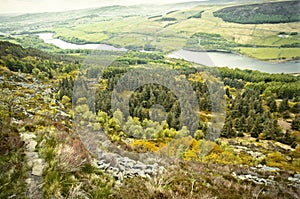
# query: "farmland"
(167, 29)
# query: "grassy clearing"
(127, 40)
(271, 53)
(83, 35)
(170, 43)
(275, 40)
(122, 25)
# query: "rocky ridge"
(37, 164)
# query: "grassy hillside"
(257, 153)
(166, 28)
(189, 131)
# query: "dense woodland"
(275, 12)
(207, 41)
(255, 100)
(33, 61)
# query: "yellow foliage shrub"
(143, 146)
(246, 158)
(177, 147)
(276, 159)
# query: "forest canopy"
(275, 12)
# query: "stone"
(122, 168)
(30, 156)
(31, 145)
(256, 154)
(267, 168)
(271, 177)
(139, 165)
(142, 174)
(293, 179)
(162, 169)
(261, 180)
(29, 180)
(64, 114)
(103, 166)
(121, 176)
(38, 166)
(27, 136)
(297, 176)
(149, 171)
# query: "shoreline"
(275, 60)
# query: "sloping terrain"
(131, 158)
(275, 12)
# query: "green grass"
(12, 175)
(170, 43)
(275, 40)
(121, 25)
(92, 37)
(271, 53)
(127, 40)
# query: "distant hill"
(19, 52)
(15, 24)
(33, 21)
(274, 12)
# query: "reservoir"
(218, 59)
(48, 38)
(230, 60)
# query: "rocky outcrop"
(255, 179)
(124, 167)
(295, 179)
(266, 168)
(115, 160)
(254, 154)
(265, 175)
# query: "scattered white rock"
(256, 154)
(271, 177)
(297, 176)
(31, 145)
(38, 166)
(253, 178)
(30, 156)
(267, 168)
(124, 167)
(27, 137)
(294, 179)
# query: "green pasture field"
(167, 30)
(269, 53)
